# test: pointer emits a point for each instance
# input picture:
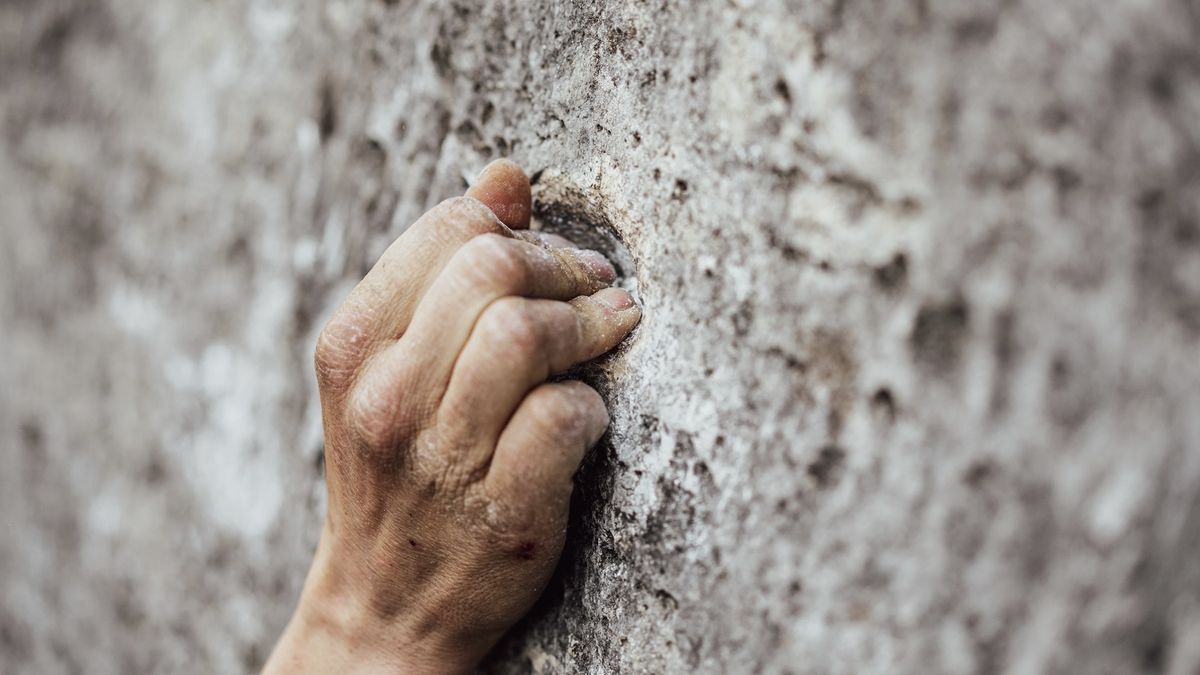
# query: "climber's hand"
(448, 456)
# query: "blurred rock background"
(917, 388)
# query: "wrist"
(334, 629)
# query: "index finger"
(504, 188)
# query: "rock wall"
(916, 389)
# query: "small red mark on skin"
(413, 543)
(526, 550)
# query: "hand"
(449, 459)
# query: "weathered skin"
(448, 457)
(914, 391)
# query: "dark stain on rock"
(782, 91)
(31, 435)
(221, 554)
(827, 469)
(239, 251)
(785, 248)
(252, 657)
(668, 602)
(866, 191)
(949, 112)
(327, 111)
(883, 402)
(938, 335)
(1004, 349)
(790, 361)
(1066, 179)
(1161, 85)
(1154, 647)
(977, 30)
(743, 318)
(155, 472)
(90, 25)
(978, 472)
(442, 48)
(15, 640)
(1055, 117)
(318, 459)
(53, 41)
(892, 275)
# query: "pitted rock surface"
(915, 390)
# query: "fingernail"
(617, 298)
(599, 264)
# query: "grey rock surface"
(917, 387)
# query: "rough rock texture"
(917, 388)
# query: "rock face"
(917, 388)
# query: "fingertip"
(609, 316)
(544, 442)
(615, 298)
(626, 311)
(504, 188)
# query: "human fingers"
(530, 477)
(405, 381)
(504, 188)
(515, 346)
(381, 306)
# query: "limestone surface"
(916, 390)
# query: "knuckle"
(508, 324)
(468, 216)
(569, 410)
(494, 260)
(373, 413)
(339, 349)
(559, 409)
(523, 531)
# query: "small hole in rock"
(587, 228)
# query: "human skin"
(449, 457)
